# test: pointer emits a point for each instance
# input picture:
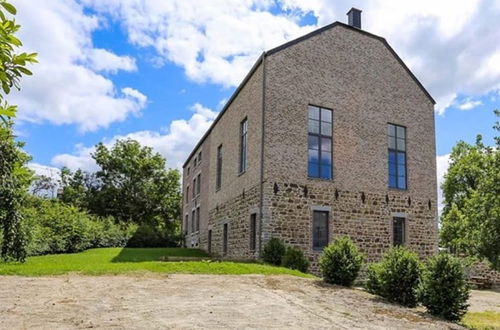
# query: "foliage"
(341, 262)
(148, 235)
(43, 186)
(131, 185)
(294, 259)
(471, 190)
(12, 65)
(396, 276)
(274, 251)
(14, 182)
(125, 260)
(443, 289)
(53, 227)
(13, 174)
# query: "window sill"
(241, 173)
(320, 179)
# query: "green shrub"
(274, 251)
(340, 262)
(53, 227)
(443, 289)
(396, 277)
(148, 235)
(294, 259)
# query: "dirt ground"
(201, 301)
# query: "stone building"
(329, 134)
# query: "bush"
(294, 259)
(443, 289)
(53, 227)
(148, 235)
(340, 262)
(396, 277)
(273, 252)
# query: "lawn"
(482, 320)
(126, 260)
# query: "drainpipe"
(262, 151)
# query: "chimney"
(354, 18)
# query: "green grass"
(126, 260)
(482, 320)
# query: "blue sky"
(159, 71)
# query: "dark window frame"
(402, 226)
(243, 146)
(225, 238)
(316, 246)
(198, 218)
(253, 231)
(193, 216)
(209, 241)
(396, 151)
(187, 194)
(198, 184)
(186, 224)
(194, 188)
(218, 179)
(320, 136)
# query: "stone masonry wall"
(236, 213)
(368, 223)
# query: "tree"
(471, 190)
(132, 185)
(43, 186)
(14, 176)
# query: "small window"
(188, 170)
(320, 229)
(198, 184)
(193, 217)
(218, 181)
(396, 140)
(243, 145)
(199, 157)
(253, 231)
(224, 239)
(198, 218)
(320, 143)
(398, 229)
(209, 241)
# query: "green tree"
(14, 176)
(131, 185)
(471, 189)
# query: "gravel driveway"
(194, 302)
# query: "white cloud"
(452, 46)
(442, 163)
(104, 60)
(213, 41)
(469, 104)
(66, 87)
(175, 145)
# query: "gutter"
(263, 58)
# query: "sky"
(159, 71)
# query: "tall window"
(398, 231)
(193, 217)
(224, 239)
(397, 156)
(198, 218)
(187, 194)
(320, 143)
(209, 241)
(194, 187)
(218, 181)
(198, 184)
(320, 229)
(186, 225)
(243, 145)
(253, 231)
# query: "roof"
(291, 43)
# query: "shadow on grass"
(154, 254)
